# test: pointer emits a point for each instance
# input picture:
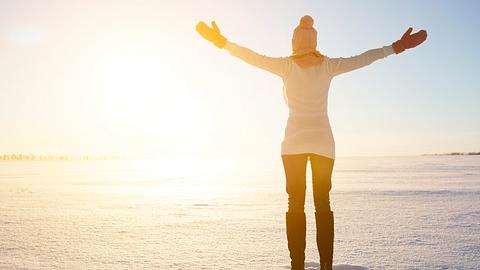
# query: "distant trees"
(20, 156)
(463, 154)
(457, 154)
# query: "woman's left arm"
(276, 65)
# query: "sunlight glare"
(140, 89)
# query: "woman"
(306, 75)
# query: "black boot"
(296, 230)
(325, 230)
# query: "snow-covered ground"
(391, 213)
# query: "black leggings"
(295, 171)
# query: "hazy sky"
(134, 78)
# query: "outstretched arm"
(336, 66)
(275, 65)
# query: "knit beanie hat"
(304, 38)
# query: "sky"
(133, 78)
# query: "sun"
(141, 88)
(132, 79)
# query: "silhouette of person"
(306, 76)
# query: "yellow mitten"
(211, 34)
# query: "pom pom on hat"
(306, 22)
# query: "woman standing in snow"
(306, 75)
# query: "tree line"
(21, 156)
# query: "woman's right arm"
(337, 66)
(276, 65)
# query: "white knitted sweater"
(306, 95)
